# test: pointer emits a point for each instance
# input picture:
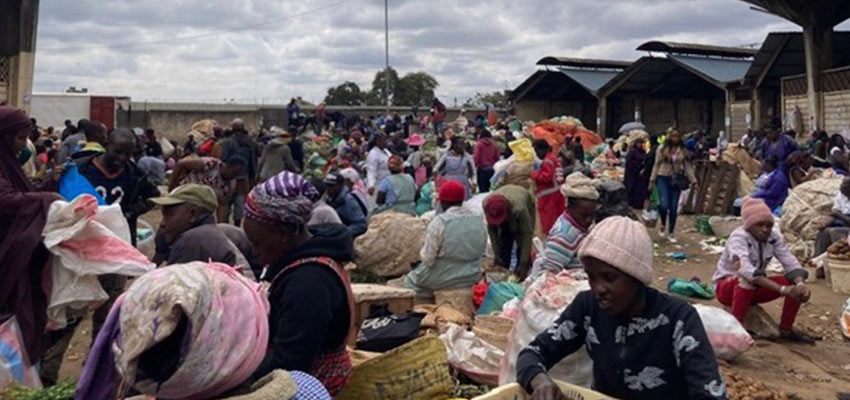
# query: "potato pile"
(740, 388)
(840, 250)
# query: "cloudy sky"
(268, 51)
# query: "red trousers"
(731, 294)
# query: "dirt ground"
(811, 372)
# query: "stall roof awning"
(784, 54)
(584, 63)
(718, 70)
(696, 49)
(560, 83)
(686, 77)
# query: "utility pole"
(387, 53)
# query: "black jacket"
(309, 305)
(663, 354)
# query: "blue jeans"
(668, 202)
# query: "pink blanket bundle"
(227, 332)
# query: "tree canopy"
(346, 94)
(497, 99)
(413, 89)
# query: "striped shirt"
(562, 245)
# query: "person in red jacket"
(548, 178)
(486, 156)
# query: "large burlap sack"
(737, 154)
(808, 207)
(391, 244)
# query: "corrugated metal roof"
(583, 62)
(590, 79)
(697, 49)
(783, 54)
(720, 70)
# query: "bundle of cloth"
(191, 330)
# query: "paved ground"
(811, 372)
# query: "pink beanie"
(754, 211)
(622, 243)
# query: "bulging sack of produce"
(472, 356)
(808, 207)
(727, 336)
(544, 302)
(522, 149)
(391, 244)
(845, 320)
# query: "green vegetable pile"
(62, 391)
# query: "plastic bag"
(498, 294)
(167, 147)
(14, 363)
(726, 335)
(383, 331)
(73, 184)
(87, 241)
(845, 320)
(544, 302)
(523, 152)
(472, 356)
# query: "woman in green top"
(397, 192)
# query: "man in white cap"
(644, 344)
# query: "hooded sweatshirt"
(309, 309)
(276, 158)
(486, 153)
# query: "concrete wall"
(836, 106)
(174, 120)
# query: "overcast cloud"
(273, 50)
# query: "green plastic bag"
(690, 288)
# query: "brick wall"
(657, 114)
(836, 106)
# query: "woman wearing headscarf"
(23, 213)
(644, 344)
(312, 306)
(457, 165)
(397, 192)
(637, 178)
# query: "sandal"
(798, 337)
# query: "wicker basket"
(418, 370)
(493, 329)
(514, 392)
(459, 299)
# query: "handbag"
(382, 331)
(680, 181)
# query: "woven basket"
(459, 299)
(493, 329)
(418, 370)
(515, 392)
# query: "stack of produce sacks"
(808, 207)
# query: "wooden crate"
(398, 300)
(717, 189)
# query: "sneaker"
(672, 239)
(662, 231)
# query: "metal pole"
(387, 53)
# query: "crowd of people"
(245, 200)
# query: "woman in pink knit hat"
(644, 344)
(741, 276)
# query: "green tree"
(346, 94)
(498, 99)
(377, 95)
(415, 89)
